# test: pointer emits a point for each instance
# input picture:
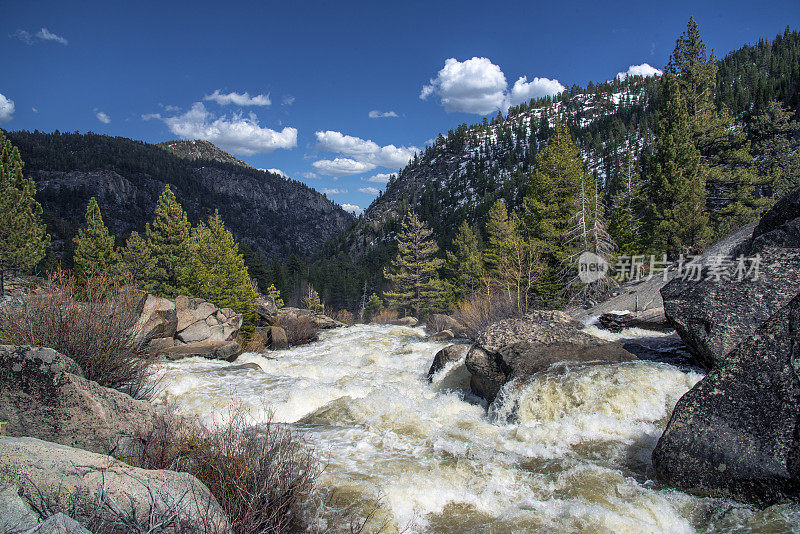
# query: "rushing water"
(568, 451)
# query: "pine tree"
(136, 261)
(464, 264)
(168, 238)
(696, 71)
(624, 224)
(373, 307)
(413, 273)
(217, 272)
(312, 301)
(23, 236)
(273, 292)
(499, 230)
(774, 132)
(94, 246)
(675, 218)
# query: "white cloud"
(333, 191)
(35, 110)
(365, 151)
(243, 99)
(309, 175)
(45, 35)
(475, 86)
(370, 190)
(276, 171)
(150, 116)
(352, 208)
(380, 178)
(341, 166)
(6, 109)
(376, 114)
(523, 90)
(479, 86)
(237, 134)
(639, 70)
(288, 100)
(103, 117)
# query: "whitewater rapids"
(568, 451)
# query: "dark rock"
(713, 317)
(251, 366)
(265, 306)
(44, 395)
(451, 353)
(213, 350)
(735, 434)
(652, 319)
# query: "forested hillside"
(270, 215)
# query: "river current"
(568, 451)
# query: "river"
(569, 451)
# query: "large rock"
(451, 353)
(44, 395)
(276, 338)
(713, 317)
(439, 322)
(266, 307)
(520, 347)
(157, 318)
(59, 524)
(323, 322)
(652, 319)
(97, 489)
(199, 320)
(735, 434)
(16, 515)
(212, 350)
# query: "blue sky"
(291, 85)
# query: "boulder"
(212, 350)
(59, 524)
(157, 318)
(444, 335)
(520, 347)
(157, 345)
(94, 488)
(199, 320)
(276, 338)
(406, 321)
(451, 353)
(16, 515)
(323, 322)
(713, 317)
(44, 395)
(734, 434)
(439, 322)
(652, 319)
(266, 307)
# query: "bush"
(344, 316)
(385, 316)
(259, 474)
(91, 322)
(299, 329)
(481, 310)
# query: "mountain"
(265, 211)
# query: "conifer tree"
(136, 261)
(413, 272)
(675, 218)
(373, 307)
(312, 301)
(23, 236)
(695, 71)
(273, 292)
(168, 238)
(499, 230)
(774, 131)
(94, 246)
(624, 224)
(217, 271)
(464, 264)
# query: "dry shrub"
(260, 474)
(254, 343)
(344, 316)
(385, 316)
(90, 321)
(481, 310)
(299, 329)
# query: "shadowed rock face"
(735, 434)
(714, 317)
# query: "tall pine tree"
(168, 238)
(23, 236)
(464, 264)
(416, 287)
(94, 245)
(136, 262)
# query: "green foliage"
(273, 292)
(499, 230)
(23, 237)
(416, 287)
(624, 224)
(94, 246)
(373, 307)
(312, 301)
(464, 264)
(775, 137)
(217, 272)
(136, 262)
(168, 237)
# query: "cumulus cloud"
(333, 191)
(237, 134)
(341, 166)
(103, 117)
(479, 86)
(276, 171)
(379, 178)
(243, 99)
(365, 151)
(6, 109)
(352, 208)
(309, 175)
(639, 70)
(44, 35)
(369, 190)
(376, 114)
(524, 90)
